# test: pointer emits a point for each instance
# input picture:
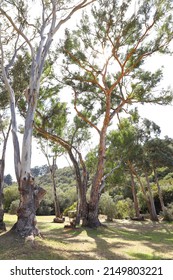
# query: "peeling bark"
(30, 198)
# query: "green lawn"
(119, 240)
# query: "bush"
(10, 194)
(168, 213)
(46, 207)
(168, 176)
(70, 208)
(14, 207)
(107, 206)
(124, 209)
(142, 202)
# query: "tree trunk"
(81, 181)
(135, 199)
(93, 207)
(2, 224)
(159, 192)
(30, 198)
(141, 186)
(2, 168)
(56, 201)
(81, 188)
(153, 214)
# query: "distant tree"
(39, 170)
(8, 180)
(159, 153)
(52, 152)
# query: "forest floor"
(118, 240)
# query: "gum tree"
(159, 153)
(104, 67)
(36, 34)
(5, 126)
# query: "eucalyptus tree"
(129, 141)
(159, 153)
(5, 126)
(71, 139)
(122, 143)
(52, 152)
(31, 25)
(104, 67)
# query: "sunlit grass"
(118, 240)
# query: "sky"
(161, 115)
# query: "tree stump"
(59, 220)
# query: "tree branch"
(18, 30)
(81, 115)
(83, 4)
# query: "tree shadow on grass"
(83, 238)
(14, 247)
(114, 242)
(104, 249)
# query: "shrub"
(168, 176)
(70, 208)
(10, 194)
(14, 206)
(46, 207)
(124, 209)
(107, 206)
(168, 213)
(142, 202)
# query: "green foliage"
(169, 176)
(10, 194)
(107, 206)
(39, 170)
(14, 207)
(168, 213)
(70, 208)
(113, 37)
(142, 202)
(124, 209)
(46, 207)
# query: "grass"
(119, 240)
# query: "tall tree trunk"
(135, 199)
(159, 192)
(149, 200)
(132, 169)
(81, 181)
(56, 201)
(93, 207)
(153, 214)
(2, 224)
(2, 168)
(30, 195)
